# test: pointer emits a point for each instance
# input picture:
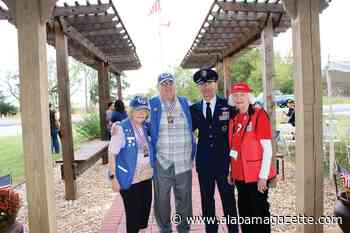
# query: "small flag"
(155, 7)
(167, 24)
(345, 179)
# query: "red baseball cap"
(240, 87)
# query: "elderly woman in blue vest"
(173, 142)
(130, 165)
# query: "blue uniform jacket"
(212, 155)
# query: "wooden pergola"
(234, 26)
(93, 34)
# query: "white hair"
(232, 103)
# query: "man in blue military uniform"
(211, 117)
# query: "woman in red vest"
(250, 137)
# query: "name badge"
(233, 154)
(250, 127)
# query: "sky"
(186, 18)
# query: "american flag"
(155, 7)
(345, 179)
(5, 182)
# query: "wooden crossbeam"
(96, 26)
(79, 38)
(102, 32)
(221, 36)
(4, 14)
(251, 7)
(88, 19)
(239, 17)
(232, 24)
(80, 10)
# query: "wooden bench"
(87, 155)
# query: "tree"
(284, 74)
(248, 68)
(5, 107)
(185, 85)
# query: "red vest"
(242, 138)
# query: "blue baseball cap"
(139, 102)
(165, 77)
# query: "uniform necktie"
(208, 113)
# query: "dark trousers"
(137, 203)
(252, 203)
(55, 145)
(227, 194)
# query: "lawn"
(11, 156)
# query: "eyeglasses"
(167, 84)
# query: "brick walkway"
(114, 221)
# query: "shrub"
(89, 127)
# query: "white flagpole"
(161, 54)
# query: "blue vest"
(127, 158)
(156, 115)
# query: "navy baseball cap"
(205, 75)
(139, 102)
(165, 77)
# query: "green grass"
(11, 156)
(336, 100)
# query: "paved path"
(114, 221)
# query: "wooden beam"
(88, 19)
(104, 97)
(46, 9)
(79, 38)
(233, 24)
(290, 7)
(80, 10)
(35, 116)
(4, 14)
(119, 87)
(103, 32)
(239, 17)
(309, 155)
(268, 80)
(65, 113)
(96, 26)
(251, 7)
(227, 79)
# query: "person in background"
(211, 116)
(250, 137)
(174, 146)
(54, 130)
(119, 112)
(130, 167)
(109, 112)
(291, 112)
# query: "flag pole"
(161, 55)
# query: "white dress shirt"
(212, 106)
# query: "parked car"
(280, 100)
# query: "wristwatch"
(111, 176)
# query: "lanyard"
(240, 134)
(170, 108)
(141, 137)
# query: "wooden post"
(119, 87)
(268, 74)
(104, 97)
(227, 80)
(35, 114)
(309, 157)
(65, 113)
